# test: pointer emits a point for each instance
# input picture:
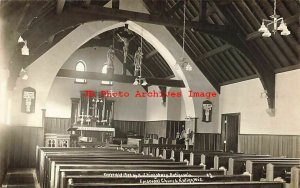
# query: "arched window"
(104, 71)
(80, 66)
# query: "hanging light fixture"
(183, 63)
(275, 19)
(23, 74)
(25, 49)
(138, 57)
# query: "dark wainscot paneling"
(123, 127)
(173, 127)
(23, 142)
(207, 142)
(57, 125)
(275, 145)
(4, 150)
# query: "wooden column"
(74, 110)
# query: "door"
(230, 132)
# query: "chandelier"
(273, 24)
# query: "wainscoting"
(207, 142)
(123, 127)
(57, 125)
(173, 127)
(23, 141)
(275, 145)
(4, 150)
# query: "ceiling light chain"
(182, 62)
(274, 21)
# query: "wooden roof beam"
(202, 10)
(175, 7)
(60, 6)
(123, 15)
(265, 72)
(215, 51)
(150, 54)
(118, 78)
(115, 4)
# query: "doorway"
(230, 128)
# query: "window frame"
(80, 80)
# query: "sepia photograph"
(150, 93)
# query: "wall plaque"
(28, 100)
(206, 111)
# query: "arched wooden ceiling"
(221, 35)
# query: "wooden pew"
(145, 179)
(98, 154)
(258, 167)
(67, 173)
(238, 165)
(206, 157)
(148, 148)
(72, 184)
(116, 167)
(185, 155)
(94, 162)
(295, 177)
(282, 170)
(41, 152)
(222, 160)
(104, 152)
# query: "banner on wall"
(206, 111)
(28, 100)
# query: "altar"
(91, 119)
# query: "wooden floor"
(21, 178)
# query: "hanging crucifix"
(124, 37)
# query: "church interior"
(150, 93)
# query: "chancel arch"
(157, 36)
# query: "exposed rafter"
(175, 7)
(60, 6)
(215, 51)
(202, 10)
(115, 4)
(118, 78)
(150, 54)
(265, 72)
(123, 15)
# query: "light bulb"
(135, 83)
(20, 39)
(266, 33)
(263, 28)
(25, 50)
(282, 26)
(144, 83)
(188, 67)
(285, 32)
